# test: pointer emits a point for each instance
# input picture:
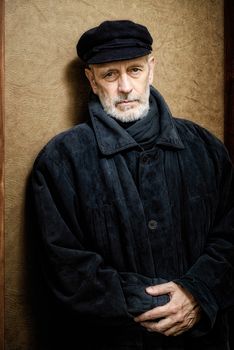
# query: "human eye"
(135, 71)
(110, 75)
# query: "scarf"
(144, 131)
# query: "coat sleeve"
(77, 276)
(211, 278)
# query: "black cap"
(114, 41)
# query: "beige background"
(46, 92)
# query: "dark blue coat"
(114, 219)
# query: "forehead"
(123, 63)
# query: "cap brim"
(118, 54)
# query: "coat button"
(145, 159)
(152, 224)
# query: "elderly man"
(135, 211)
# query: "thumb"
(160, 289)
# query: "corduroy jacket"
(114, 219)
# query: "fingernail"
(149, 289)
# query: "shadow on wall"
(78, 91)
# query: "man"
(135, 210)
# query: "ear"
(151, 63)
(89, 74)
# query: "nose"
(124, 84)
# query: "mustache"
(127, 98)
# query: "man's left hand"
(180, 314)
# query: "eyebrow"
(103, 71)
(112, 68)
(136, 65)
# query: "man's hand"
(174, 318)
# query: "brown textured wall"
(46, 91)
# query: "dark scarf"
(144, 131)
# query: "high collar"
(112, 138)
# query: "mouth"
(126, 102)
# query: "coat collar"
(112, 138)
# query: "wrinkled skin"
(174, 318)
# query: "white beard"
(129, 114)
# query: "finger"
(156, 313)
(161, 326)
(164, 329)
(177, 328)
(160, 289)
(149, 330)
(164, 324)
(150, 326)
(154, 327)
(174, 331)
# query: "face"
(123, 86)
